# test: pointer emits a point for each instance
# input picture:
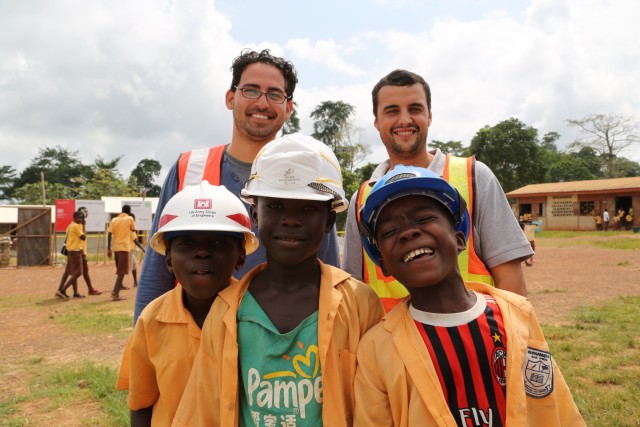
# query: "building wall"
(567, 212)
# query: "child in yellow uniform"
(278, 347)
(205, 235)
(452, 353)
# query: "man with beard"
(402, 111)
(261, 99)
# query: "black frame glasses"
(254, 93)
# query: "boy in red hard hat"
(205, 235)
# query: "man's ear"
(331, 219)
(460, 240)
(228, 99)
(242, 257)
(253, 211)
(289, 109)
(167, 260)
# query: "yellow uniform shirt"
(74, 242)
(159, 355)
(121, 227)
(347, 309)
(397, 384)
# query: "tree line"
(514, 151)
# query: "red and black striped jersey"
(469, 354)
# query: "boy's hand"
(109, 253)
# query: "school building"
(574, 205)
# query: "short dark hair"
(77, 214)
(399, 78)
(248, 57)
(126, 209)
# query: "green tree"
(626, 168)
(145, 173)
(107, 182)
(293, 124)
(60, 166)
(568, 168)
(511, 150)
(608, 135)
(31, 194)
(7, 178)
(333, 126)
(455, 148)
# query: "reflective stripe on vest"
(460, 173)
(200, 165)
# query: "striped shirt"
(468, 351)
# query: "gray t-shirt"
(497, 235)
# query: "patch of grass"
(599, 355)
(554, 291)
(564, 234)
(12, 302)
(56, 387)
(95, 318)
(625, 244)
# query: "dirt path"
(563, 277)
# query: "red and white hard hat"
(296, 166)
(204, 207)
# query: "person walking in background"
(261, 99)
(133, 255)
(74, 241)
(605, 220)
(453, 352)
(402, 115)
(530, 234)
(202, 247)
(85, 263)
(120, 228)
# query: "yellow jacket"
(347, 309)
(158, 357)
(397, 385)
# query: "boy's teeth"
(411, 255)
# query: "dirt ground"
(563, 277)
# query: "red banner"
(64, 214)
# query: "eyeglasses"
(253, 93)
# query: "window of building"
(587, 208)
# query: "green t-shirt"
(280, 373)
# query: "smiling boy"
(451, 353)
(278, 347)
(205, 234)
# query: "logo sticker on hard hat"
(202, 204)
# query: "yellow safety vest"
(459, 172)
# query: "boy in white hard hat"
(278, 347)
(205, 235)
(451, 353)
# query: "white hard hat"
(204, 207)
(296, 166)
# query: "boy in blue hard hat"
(452, 353)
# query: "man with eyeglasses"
(261, 100)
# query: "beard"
(407, 150)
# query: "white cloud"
(147, 79)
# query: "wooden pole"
(43, 193)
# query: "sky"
(147, 78)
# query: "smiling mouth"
(289, 239)
(416, 254)
(259, 116)
(201, 271)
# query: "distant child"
(279, 347)
(75, 241)
(529, 230)
(205, 234)
(452, 353)
(133, 254)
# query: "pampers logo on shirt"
(294, 388)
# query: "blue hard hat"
(406, 181)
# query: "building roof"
(600, 186)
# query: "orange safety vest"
(200, 165)
(459, 172)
